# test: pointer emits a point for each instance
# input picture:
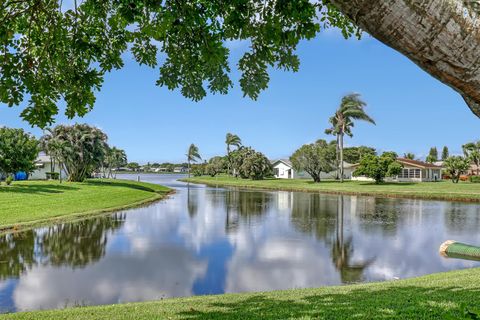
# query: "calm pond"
(205, 240)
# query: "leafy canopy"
(18, 151)
(455, 166)
(314, 158)
(50, 52)
(83, 149)
(379, 167)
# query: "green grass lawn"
(438, 296)
(32, 202)
(444, 190)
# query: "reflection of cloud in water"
(279, 264)
(165, 272)
(252, 241)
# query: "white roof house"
(283, 169)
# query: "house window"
(276, 171)
(416, 173)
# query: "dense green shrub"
(9, 180)
(475, 179)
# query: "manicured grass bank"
(437, 296)
(28, 203)
(444, 190)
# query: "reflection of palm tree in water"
(342, 251)
(192, 205)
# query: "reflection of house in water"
(284, 200)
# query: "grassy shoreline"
(29, 204)
(445, 190)
(433, 296)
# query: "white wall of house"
(283, 171)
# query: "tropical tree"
(215, 166)
(432, 155)
(54, 148)
(114, 159)
(231, 140)
(256, 166)
(379, 167)
(134, 166)
(472, 152)
(455, 166)
(355, 154)
(81, 149)
(58, 40)
(351, 108)
(18, 151)
(314, 159)
(409, 156)
(192, 156)
(445, 153)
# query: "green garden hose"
(453, 249)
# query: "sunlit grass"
(438, 296)
(35, 201)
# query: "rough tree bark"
(440, 36)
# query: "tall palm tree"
(192, 156)
(351, 108)
(231, 140)
(472, 151)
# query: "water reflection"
(73, 245)
(213, 240)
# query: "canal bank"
(28, 204)
(444, 190)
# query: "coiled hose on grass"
(458, 250)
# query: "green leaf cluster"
(51, 53)
(18, 151)
(379, 167)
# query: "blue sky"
(413, 111)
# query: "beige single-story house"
(180, 170)
(283, 169)
(413, 171)
(42, 166)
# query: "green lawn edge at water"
(26, 204)
(443, 190)
(437, 296)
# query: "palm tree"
(114, 158)
(351, 108)
(472, 152)
(231, 140)
(192, 156)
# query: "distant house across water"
(283, 169)
(180, 170)
(413, 171)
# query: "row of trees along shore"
(78, 150)
(239, 161)
(325, 157)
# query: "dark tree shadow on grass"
(405, 302)
(36, 188)
(122, 185)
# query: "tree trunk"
(438, 35)
(337, 156)
(341, 157)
